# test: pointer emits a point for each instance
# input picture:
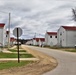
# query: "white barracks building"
(2, 34)
(66, 36)
(51, 38)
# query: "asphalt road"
(66, 61)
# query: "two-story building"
(2, 34)
(41, 41)
(51, 38)
(35, 41)
(66, 36)
(38, 41)
(12, 41)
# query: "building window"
(55, 36)
(50, 36)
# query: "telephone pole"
(9, 31)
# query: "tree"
(74, 14)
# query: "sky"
(35, 17)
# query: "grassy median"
(70, 50)
(15, 50)
(12, 55)
(11, 64)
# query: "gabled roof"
(37, 39)
(69, 27)
(2, 25)
(41, 39)
(12, 39)
(52, 33)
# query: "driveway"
(66, 61)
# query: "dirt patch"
(45, 64)
(13, 47)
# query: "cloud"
(36, 16)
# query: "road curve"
(66, 61)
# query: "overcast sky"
(37, 16)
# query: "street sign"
(19, 32)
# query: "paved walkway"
(15, 59)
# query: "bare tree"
(74, 14)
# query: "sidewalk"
(15, 59)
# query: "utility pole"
(35, 35)
(9, 32)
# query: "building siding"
(50, 41)
(67, 37)
(1, 36)
(61, 37)
(71, 38)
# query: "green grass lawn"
(12, 55)
(15, 50)
(72, 50)
(62, 48)
(11, 64)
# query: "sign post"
(17, 32)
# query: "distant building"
(41, 41)
(38, 41)
(2, 34)
(35, 41)
(29, 42)
(12, 41)
(66, 36)
(51, 38)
